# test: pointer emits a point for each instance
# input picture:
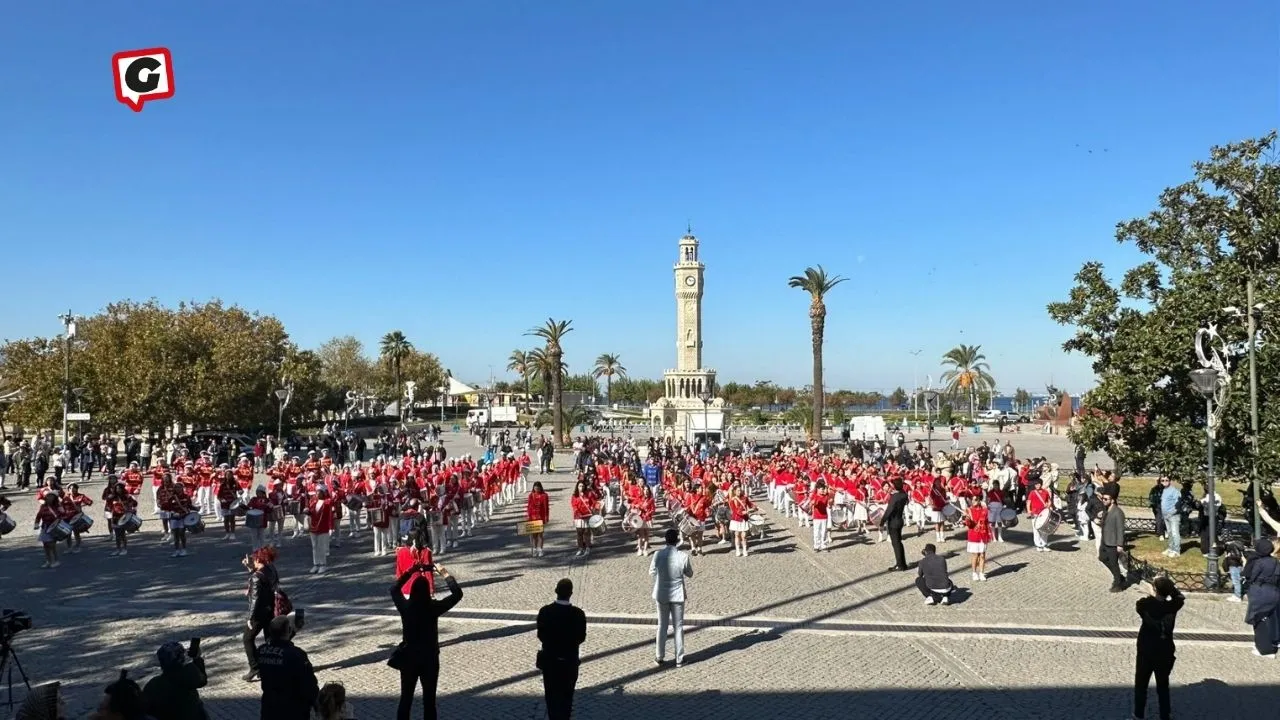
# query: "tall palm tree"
(817, 283)
(968, 373)
(552, 332)
(393, 348)
(519, 363)
(607, 366)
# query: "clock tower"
(689, 406)
(688, 305)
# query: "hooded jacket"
(1262, 578)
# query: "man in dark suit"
(893, 521)
(561, 629)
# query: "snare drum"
(950, 513)
(81, 523)
(1047, 522)
(293, 507)
(596, 524)
(1008, 518)
(255, 519)
(355, 503)
(690, 526)
(632, 521)
(377, 516)
(238, 509)
(277, 513)
(60, 531)
(7, 524)
(756, 520)
(843, 498)
(877, 515)
(435, 518)
(129, 523)
(723, 515)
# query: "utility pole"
(1253, 405)
(915, 384)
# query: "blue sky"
(463, 170)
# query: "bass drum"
(81, 523)
(1008, 518)
(596, 524)
(129, 523)
(690, 526)
(876, 516)
(7, 524)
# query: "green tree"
(967, 373)
(1203, 240)
(898, 398)
(552, 334)
(344, 365)
(393, 348)
(1022, 400)
(518, 363)
(608, 366)
(817, 283)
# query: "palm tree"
(607, 366)
(817, 283)
(519, 363)
(968, 372)
(552, 332)
(395, 346)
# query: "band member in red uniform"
(74, 503)
(380, 521)
(121, 503)
(740, 508)
(821, 525)
(644, 505)
(537, 507)
(48, 516)
(275, 522)
(975, 518)
(179, 505)
(699, 507)
(583, 507)
(1039, 505)
(244, 477)
(320, 522)
(938, 501)
(257, 532)
(228, 495)
(132, 479)
(995, 504)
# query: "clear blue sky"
(465, 171)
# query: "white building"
(690, 407)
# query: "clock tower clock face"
(690, 280)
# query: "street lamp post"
(282, 395)
(1205, 381)
(487, 402)
(444, 393)
(930, 397)
(915, 384)
(68, 332)
(705, 396)
(78, 393)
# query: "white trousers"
(821, 533)
(382, 540)
(204, 498)
(437, 538)
(1041, 540)
(670, 615)
(319, 549)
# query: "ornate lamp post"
(705, 396)
(930, 397)
(282, 395)
(69, 332)
(78, 394)
(1205, 381)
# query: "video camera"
(12, 622)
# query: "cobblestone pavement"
(97, 613)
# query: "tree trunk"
(817, 323)
(557, 399)
(399, 396)
(608, 390)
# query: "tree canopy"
(1203, 240)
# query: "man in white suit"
(669, 568)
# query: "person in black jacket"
(893, 523)
(174, 694)
(418, 656)
(932, 579)
(1159, 611)
(263, 582)
(561, 629)
(289, 685)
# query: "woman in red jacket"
(537, 508)
(73, 503)
(975, 518)
(583, 506)
(320, 517)
(740, 508)
(46, 517)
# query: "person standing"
(537, 509)
(320, 524)
(174, 694)
(1169, 516)
(893, 522)
(418, 655)
(669, 568)
(289, 685)
(1158, 612)
(562, 628)
(1262, 578)
(263, 583)
(1111, 538)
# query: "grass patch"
(1150, 549)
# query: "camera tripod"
(8, 661)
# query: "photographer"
(174, 693)
(289, 686)
(263, 583)
(418, 655)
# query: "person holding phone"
(174, 694)
(1159, 612)
(418, 655)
